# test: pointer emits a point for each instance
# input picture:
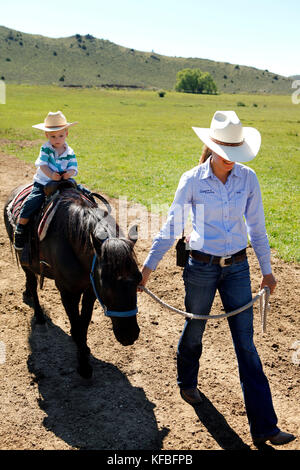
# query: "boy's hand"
(68, 174)
(56, 176)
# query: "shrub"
(240, 103)
(195, 81)
(161, 93)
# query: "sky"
(258, 33)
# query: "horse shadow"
(103, 413)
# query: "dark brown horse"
(85, 255)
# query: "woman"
(221, 192)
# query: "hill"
(88, 61)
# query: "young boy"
(55, 157)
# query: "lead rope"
(263, 295)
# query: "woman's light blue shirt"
(223, 215)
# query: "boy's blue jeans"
(233, 283)
(33, 202)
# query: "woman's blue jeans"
(233, 283)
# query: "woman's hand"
(268, 280)
(146, 272)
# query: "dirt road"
(132, 402)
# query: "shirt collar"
(55, 151)
(207, 170)
(236, 170)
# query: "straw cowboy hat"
(54, 122)
(228, 138)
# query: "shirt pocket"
(240, 198)
(208, 197)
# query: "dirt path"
(132, 402)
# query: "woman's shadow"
(105, 413)
(219, 429)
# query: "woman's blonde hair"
(206, 153)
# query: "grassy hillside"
(88, 61)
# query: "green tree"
(195, 81)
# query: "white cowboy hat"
(228, 138)
(54, 122)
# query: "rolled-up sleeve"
(255, 222)
(43, 158)
(72, 164)
(177, 217)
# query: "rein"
(108, 313)
(263, 295)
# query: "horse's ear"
(133, 234)
(97, 238)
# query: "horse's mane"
(78, 218)
(118, 258)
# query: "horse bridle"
(108, 313)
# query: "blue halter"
(108, 313)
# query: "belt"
(221, 260)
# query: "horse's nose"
(126, 336)
(128, 339)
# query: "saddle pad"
(17, 203)
(49, 212)
(47, 216)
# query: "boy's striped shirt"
(48, 156)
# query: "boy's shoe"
(19, 238)
(86, 192)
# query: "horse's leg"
(71, 303)
(88, 300)
(30, 296)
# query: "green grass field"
(136, 144)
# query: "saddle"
(40, 223)
(52, 192)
